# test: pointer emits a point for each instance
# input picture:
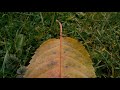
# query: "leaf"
(60, 58)
(75, 60)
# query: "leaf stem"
(60, 47)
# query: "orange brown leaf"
(75, 60)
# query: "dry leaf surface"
(75, 60)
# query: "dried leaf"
(75, 60)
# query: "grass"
(22, 33)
